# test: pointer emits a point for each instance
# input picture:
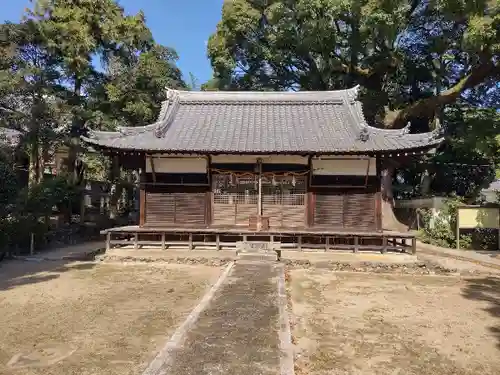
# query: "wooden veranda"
(283, 239)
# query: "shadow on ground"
(486, 289)
(15, 273)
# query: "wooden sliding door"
(235, 199)
(284, 200)
(348, 210)
(175, 205)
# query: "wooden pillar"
(190, 241)
(32, 243)
(259, 203)
(108, 241)
(136, 240)
(414, 245)
(142, 198)
(299, 243)
(310, 197)
(384, 245)
(378, 196)
(163, 240)
(217, 242)
(208, 208)
(356, 244)
(210, 193)
(153, 171)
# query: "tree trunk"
(426, 108)
(34, 143)
(74, 142)
(425, 183)
(41, 162)
(389, 220)
(114, 194)
(34, 164)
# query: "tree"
(411, 57)
(130, 93)
(30, 90)
(71, 65)
(133, 90)
(79, 32)
(467, 163)
(383, 46)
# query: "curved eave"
(110, 146)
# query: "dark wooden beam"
(208, 208)
(310, 199)
(142, 199)
(151, 161)
(367, 171)
(209, 195)
(378, 195)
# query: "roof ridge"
(266, 102)
(269, 97)
(168, 113)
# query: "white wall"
(177, 165)
(266, 159)
(321, 166)
(344, 166)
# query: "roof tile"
(246, 122)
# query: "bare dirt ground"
(365, 324)
(87, 318)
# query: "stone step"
(266, 256)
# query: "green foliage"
(96, 166)
(9, 185)
(471, 158)
(440, 229)
(41, 199)
(469, 161)
(135, 89)
(31, 208)
(78, 30)
(399, 51)
(31, 94)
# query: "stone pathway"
(460, 255)
(81, 251)
(239, 332)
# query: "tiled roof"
(262, 122)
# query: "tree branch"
(426, 108)
(8, 109)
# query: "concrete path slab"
(239, 332)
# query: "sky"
(184, 25)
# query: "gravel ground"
(87, 318)
(365, 324)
